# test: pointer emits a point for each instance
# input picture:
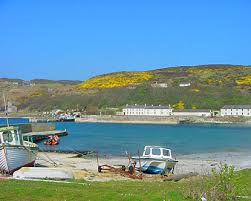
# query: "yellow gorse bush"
(196, 90)
(115, 80)
(36, 93)
(245, 80)
(210, 70)
(200, 70)
(180, 105)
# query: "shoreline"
(165, 120)
(86, 167)
(173, 120)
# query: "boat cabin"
(157, 152)
(10, 135)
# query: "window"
(155, 151)
(147, 151)
(166, 152)
(7, 137)
(16, 136)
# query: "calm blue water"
(115, 139)
(14, 120)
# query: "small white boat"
(14, 152)
(155, 160)
(66, 118)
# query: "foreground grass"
(113, 190)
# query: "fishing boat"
(155, 160)
(14, 151)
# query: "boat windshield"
(10, 137)
(147, 151)
(7, 137)
(156, 152)
(166, 152)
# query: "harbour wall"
(35, 127)
(128, 119)
(163, 119)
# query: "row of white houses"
(236, 110)
(146, 110)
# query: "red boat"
(52, 140)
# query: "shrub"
(115, 80)
(224, 184)
(245, 80)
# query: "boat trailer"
(119, 169)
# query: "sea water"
(3, 121)
(117, 139)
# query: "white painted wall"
(198, 114)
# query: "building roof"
(192, 110)
(147, 107)
(236, 107)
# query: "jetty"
(38, 136)
(38, 131)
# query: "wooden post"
(139, 163)
(97, 158)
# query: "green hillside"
(210, 86)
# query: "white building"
(159, 85)
(192, 112)
(236, 110)
(185, 84)
(11, 108)
(147, 110)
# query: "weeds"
(223, 184)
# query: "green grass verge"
(113, 190)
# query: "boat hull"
(13, 157)
(153, 166)
(67, 120)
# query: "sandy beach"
(85, 167)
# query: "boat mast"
(6, 112)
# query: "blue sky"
(59, 39)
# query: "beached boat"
(155, 160)
(14, 152)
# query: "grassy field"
(113, 190)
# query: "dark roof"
(236, 107)
(192, 110)
(148, 106)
